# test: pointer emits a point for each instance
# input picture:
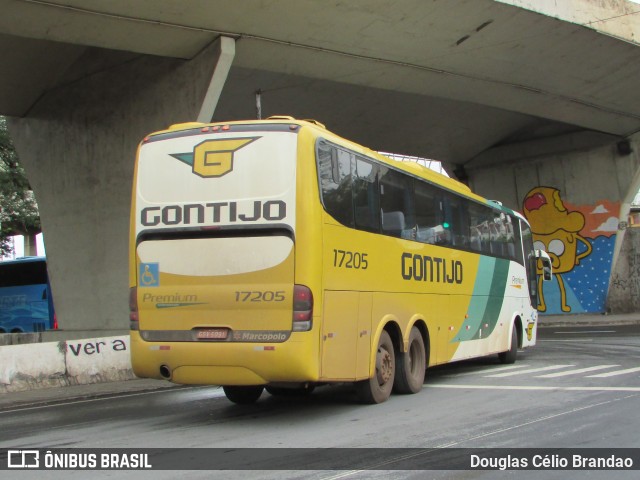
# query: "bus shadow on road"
(470, 366)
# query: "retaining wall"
(624, 292)
(70, 362)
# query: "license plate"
(212, 333)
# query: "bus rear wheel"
(411, 365)
(377, 389)
(243, 395)
(510, 355)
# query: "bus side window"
(334, 170)
(517, 240)
(493, 233)
(366, 200)
(502, 241)
(456, 223)
(396, 203)
(479, 228)
(428, 213)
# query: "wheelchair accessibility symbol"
(149, 274)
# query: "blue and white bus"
(26, 304)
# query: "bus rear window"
(22, 273)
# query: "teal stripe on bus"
(496, 298)
(487, 299)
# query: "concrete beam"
(112, 25)
(540, 147)
(480, 53)
(613, 17)
(226, 50)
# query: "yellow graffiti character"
(555, 230)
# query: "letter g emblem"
(214, 158)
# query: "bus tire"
(411, 365)
(510, 355)
(378, 388)
(243, 395)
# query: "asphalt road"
(578, 388)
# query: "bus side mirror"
(545, 260)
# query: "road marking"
(613, 374)
(573, 372)
(565, 340)
(587, 331)
(489, 370)
(529, 370)
(503, 369)
(532, 387)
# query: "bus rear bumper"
(228, 363)
(223, 375)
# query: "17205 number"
(347, 259)
(258, 296)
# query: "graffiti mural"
(580, 240)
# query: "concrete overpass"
(508, 97)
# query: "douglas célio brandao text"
(550, 462)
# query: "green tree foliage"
(18, 208)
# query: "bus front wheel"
(378, 388)
(411, 365)
(510, 355)
(243, 395)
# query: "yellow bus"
(275, 254)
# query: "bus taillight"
(134, 322)
(55, 321)
(302, 308)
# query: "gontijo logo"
(213, 158)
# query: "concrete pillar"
(30, 248)
(78, 145)
(579, 186)
(624, 292)
(226, 51)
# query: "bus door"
(346, 344)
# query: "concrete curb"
(581, 320)
(37, 398)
